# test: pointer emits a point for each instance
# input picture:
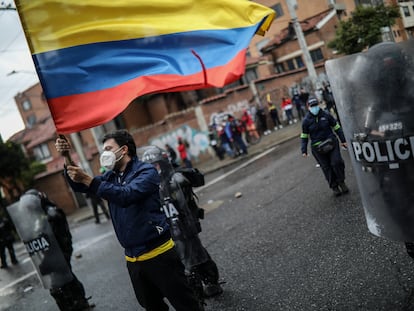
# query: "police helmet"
(312, 101)
(33, 192)
(154, 154)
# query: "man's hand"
(62, 146)
(78, 175)
(345, 145)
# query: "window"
(291, 64)
(278, 9)
(406, 11)
(26, 105)
(41, 152)
(262, 44)
(299, 62)
(316, 55)
(31, 120)
(280, 67)
(250, 75)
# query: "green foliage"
(363, 29)
(16, 171)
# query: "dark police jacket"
(319, 128)
(133, 198)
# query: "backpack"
(195, 177)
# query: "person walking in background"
(249, 126)
(6, 242)
(274, 115)
(225, 141)
(214, 141)
(234, 132)
(182, 149)
(261, 116)
(304, 96)
(300, 107)
(131, 188)
(97, 201)
(317, 125)
(288, 109)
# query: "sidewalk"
(213, 164)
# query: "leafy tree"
(16, 171)
(363, 29)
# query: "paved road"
(285, 244)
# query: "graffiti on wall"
(197, 140)
(232, 109)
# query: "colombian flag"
(93, 57)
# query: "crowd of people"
(230, 135)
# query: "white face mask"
(108, 159)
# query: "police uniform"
(183, 216)
(319, 128)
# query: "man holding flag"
(131, 188)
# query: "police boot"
(344, 188)
(410, 248)
(197, 286)
(336, 191)
(211, 290)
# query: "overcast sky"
(14, 55)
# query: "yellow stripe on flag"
(56, 24)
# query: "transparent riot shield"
(34, 230)
(374, 92)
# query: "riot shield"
(34, 230)
(374, 94)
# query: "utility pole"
(302, 43)
(256, 96)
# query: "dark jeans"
(275, 117)
(159, 277)
(95, 210)
(187, 163)
(289, 114)
(9, 246)
(240, 145)
(332, 165)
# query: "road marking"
(79, 246)
(235, 169)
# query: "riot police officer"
(319, 126)
(375, 93)
(183, 215)
(71, 295)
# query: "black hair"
(122, 138)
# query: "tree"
(16, 171)
(363, 29)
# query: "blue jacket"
(133, 198)
(319, 128)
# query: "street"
(286, 244)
